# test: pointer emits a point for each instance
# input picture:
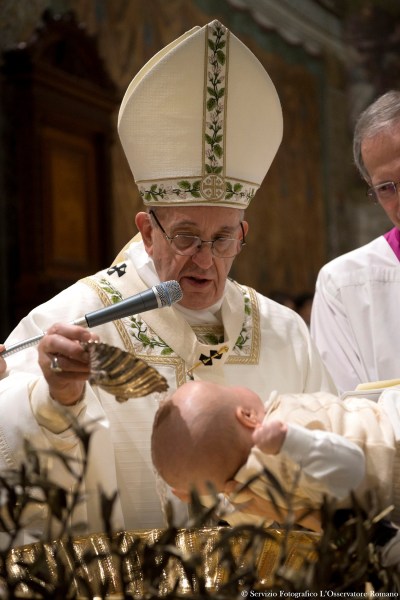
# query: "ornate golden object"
(97, 563)
(121, 373)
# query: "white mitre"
(201, 122)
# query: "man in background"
(355, 316)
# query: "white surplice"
(355, 318)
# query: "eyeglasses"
(383, 192)
(188, 245)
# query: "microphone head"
(169, 292)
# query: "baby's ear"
(184, 496)
(247, 417)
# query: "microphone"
(163, 294)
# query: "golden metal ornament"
(93, 563)
(121, 373)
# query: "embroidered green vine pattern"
(214, 339)
(244, 336)
(211, 339)
(160, 191)
(138, 329)
(215, 108)
(115, 295)
(214, 101)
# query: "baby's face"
(200, 476)
(205, 484)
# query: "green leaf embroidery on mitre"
(181, 190)
(213, 185)
(162, 191)
(215, 103)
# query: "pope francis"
(200, 125)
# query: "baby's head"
(202, 433)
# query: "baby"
(206, 432)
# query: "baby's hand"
(270, 436)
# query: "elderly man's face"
(202, 276)
(381, 156)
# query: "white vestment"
(268, 347)
(355, 317)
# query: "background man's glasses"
(384, 192)
(188, 245)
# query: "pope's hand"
(270, 436)
(64, 362)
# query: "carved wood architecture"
(58, 101)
